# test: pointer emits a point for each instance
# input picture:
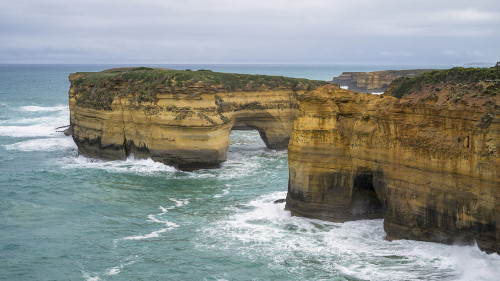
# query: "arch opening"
(365, 200)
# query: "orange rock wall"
(427, 164)
(188, 128)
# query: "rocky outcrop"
(427, 163)
(181, 118)
(373, 82)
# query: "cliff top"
(487, 81)
(186, 78)
(404, 72)
(145, 83)
(476, 89)
(376, 81)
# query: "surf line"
(153, 218)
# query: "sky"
(250, 31)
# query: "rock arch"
(187, 128)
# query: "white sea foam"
(224, 192)
(39, 130)
(155, 218)
(153, 234)
(44, 144)
(130, 165)
(114, 270)
(88, 277)
(43, 120)
(35, 108)
(117, 269)
(31, 124)
(179, 202)
(265, 231)
(237, 165)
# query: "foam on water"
(43, 120)
(237, 166)
(224, 192)
(130, 165)
(159, 218)
(356, 249)
(88, 277)
(35, 122)
(153, 234)
(116, 269)
(44, 144)
(35, 108)
(39, 130)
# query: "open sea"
(67, 217)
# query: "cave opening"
(365, 200)
(244, 139)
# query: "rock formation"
(373, 82)
(427, 162)
(181, 118)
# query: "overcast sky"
(250, 31)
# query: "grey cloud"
(224, 31)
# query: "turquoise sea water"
(66, 217)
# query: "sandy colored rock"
(179, 118)
(373, 82)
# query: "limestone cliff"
(181, 118)
(427, 163)
(373, 82)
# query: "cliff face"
(427, 163)
(373, 82)
(180, 118)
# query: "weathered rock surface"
(427, 163)
(181, 118)
(373, 82)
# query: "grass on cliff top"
(144, 82)
(404, 86)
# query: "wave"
(154, 218)
(29, 126)
(147, 236)
(39, 130)
(225, 191)
(44, 144)
(116, 269)
(130, 165)
(356, 249)
(35, 108)
(88, 277)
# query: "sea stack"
(180, 118)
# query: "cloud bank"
(250, 31)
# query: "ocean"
(67, 217)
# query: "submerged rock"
(279, 201)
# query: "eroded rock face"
(180, 118)
(427, 163)
(373, 82)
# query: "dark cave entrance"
(365, 200)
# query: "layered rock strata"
(181, 118)
(427, 163)
(373, 82)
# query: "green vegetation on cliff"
(403, 86)
(143, 84)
